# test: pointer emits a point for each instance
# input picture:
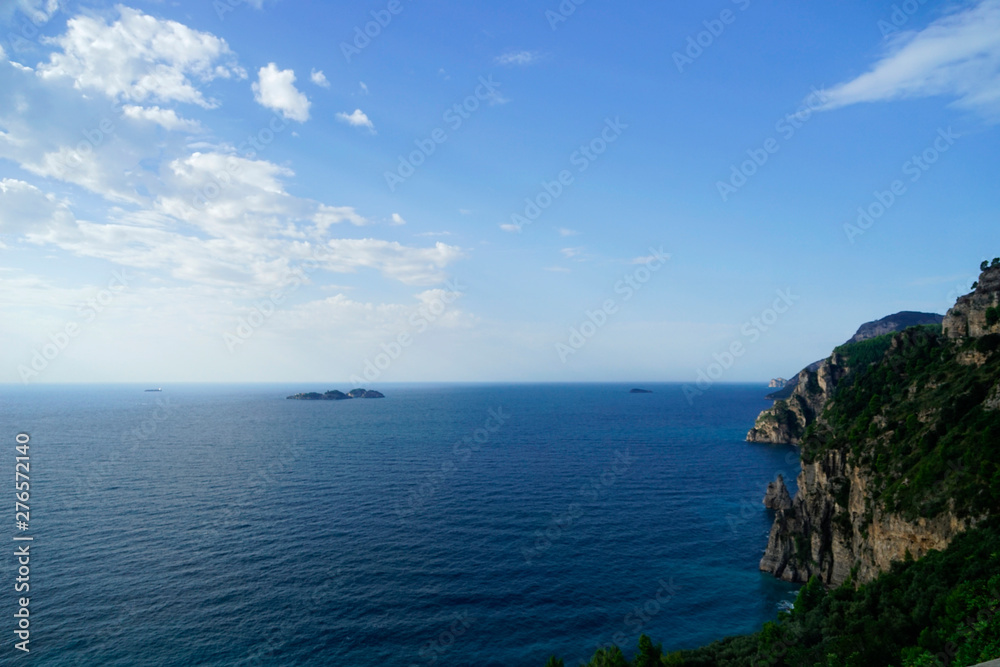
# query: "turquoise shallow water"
(457, 525)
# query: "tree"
(555, 662)
(985, 265)
(649, 655)
(609, 657)
(975, 285)
(992, 316)
(996, 261)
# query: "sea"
(487, 525)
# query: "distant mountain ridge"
(894, 323)
(889, 324)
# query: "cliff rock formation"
(777, 496)
(787, 419)
(899, 456)
(971, 317)
(897, 322)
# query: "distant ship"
(157, 389)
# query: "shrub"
(988, 343)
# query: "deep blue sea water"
(225, 525)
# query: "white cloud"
(224, 252)
(557, 269)
(958, 56)
(140, 58)
(275, 89)
(570, 253)
(357, 119)
(332, 215)
(39, 11)
(3, 54)
(397, 219)
(364, 87)
(413, 266)
(166, 118)
(24, 208)
(508, 227)
(521, 58)
(317, 77)
(563, 231)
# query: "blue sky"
(252, 191)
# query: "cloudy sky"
(240, 190)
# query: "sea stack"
(777, 497)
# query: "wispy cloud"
(317, 77)
(520, 58)
(957, 56)
(397, 219)
(563, 231)
(570, 253)
(357, 119)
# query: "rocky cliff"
(831, 528)
(786, 421)
(777, 496)
(890, 324)
(899, 447)
(976, 314)
(900, 321)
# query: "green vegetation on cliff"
(941, 610)
(922, 412)
(916, 416)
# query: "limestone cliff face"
(968, 317)
(830, 530)
(777, 496)
(786, 421)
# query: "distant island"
(337, 395)
(640, 391)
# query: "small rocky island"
(640, 391)
(337, 395)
